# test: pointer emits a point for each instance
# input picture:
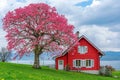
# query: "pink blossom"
(37, 24)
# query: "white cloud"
(3, 4)
(101, 12)
(104, 38)
(3, 42)
(95, 3)
(100, 21)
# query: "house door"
(60, 64)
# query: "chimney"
(77, 33)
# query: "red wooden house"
(84, 57)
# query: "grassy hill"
(10, 71)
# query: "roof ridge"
(64, 52)
(82, 36)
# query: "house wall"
(91, 54)
(73, 54)
(61, 58)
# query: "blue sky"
(99, 20)
(84, 3)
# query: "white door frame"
(60, 64)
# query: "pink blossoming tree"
(37, 28)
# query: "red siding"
(61, 58)
(73, 54)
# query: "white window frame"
(83, 63)
(82, 49)
(74, 63)
(91, 63)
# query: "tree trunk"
(37, 52)
(36, 64)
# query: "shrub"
(106, 70)
(110, 68)
(67, 67)
(102, 70)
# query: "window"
(89, 63)
(82, 49)
(60, 62)
(78, 63)
(83, 63)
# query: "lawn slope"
(10, 71)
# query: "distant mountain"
(44, 56)
(111, 55)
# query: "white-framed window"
(82, 49)
(88, 63)
(60, 62)
(77, 63)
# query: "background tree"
(4, 54)
(38, 28)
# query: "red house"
(84, 57)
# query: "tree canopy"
(37, 27)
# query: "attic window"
(82, 49)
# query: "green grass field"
(10, 71)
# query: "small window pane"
(89, 63)
(60, 62)
(78, 63)
(82, 49)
